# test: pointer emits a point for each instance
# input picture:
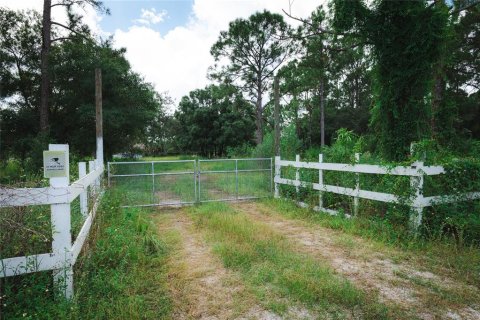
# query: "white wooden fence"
(59, 196)
(416, 172)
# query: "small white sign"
(55, 164)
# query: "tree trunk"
(44, 65)
(277, 116)
(295, 106)
(438, 80)
(259, 120)
(321, 93)
(438, 87)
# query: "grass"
(122, 276)
(275, 271)
(445, 256)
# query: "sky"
(168, 41)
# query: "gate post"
(153, 183)
(236, 177)
(195, 181)
(199, 181)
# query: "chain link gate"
(180, 182)
(234, 179)
(154, 183)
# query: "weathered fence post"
(320, 183)
(416, 183)
(277, 175)
(61, 231)
(357, 187)
(93, 187)
(82, 172)
(297, 174)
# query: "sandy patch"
(200, 286)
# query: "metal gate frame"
(236, 171)
(153, 175)
(197, 173)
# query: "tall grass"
(121, 276)
(275, 271)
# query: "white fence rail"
(59, 196)
(416, 172)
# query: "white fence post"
(297, 174)
(61, 235)
(320, 182)
(277, 175)
(416, 182)
(82, 172)
(93, 188)
(98, 165)
(357, 187)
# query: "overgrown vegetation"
(121, 275)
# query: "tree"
(212, 119)
(130, 104)
(254, 49)
(47, 43)
(404, 36)
(461, 104)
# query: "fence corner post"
(277, 176)
(61, 232)
(416, 183)
(82, 172)
(357, 187)
(320, 183)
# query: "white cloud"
(151, 16)
(177, 62)
(90, 17)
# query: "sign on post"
(55, 164)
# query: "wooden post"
(277, 175)
(277, 115)
(357, 187)
(82, 172)
(61, 232)
(320, 182)
(98, 114)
